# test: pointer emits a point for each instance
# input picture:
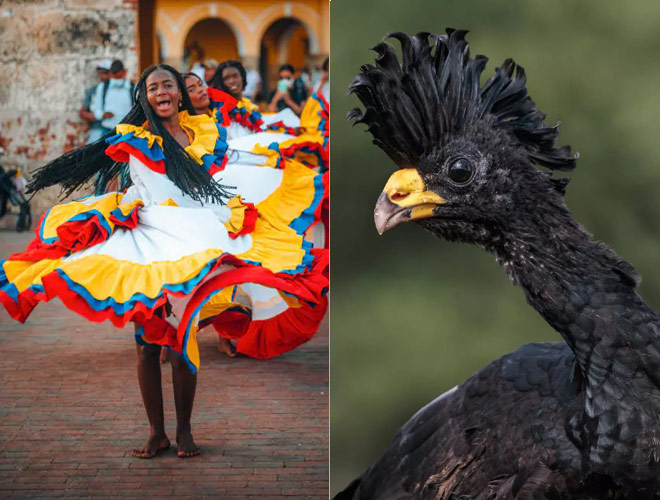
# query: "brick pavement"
(70, 414)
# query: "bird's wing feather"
(462, 443)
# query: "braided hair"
(218, 82)
(76, 168)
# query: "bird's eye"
(460, 171)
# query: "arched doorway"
(210, 38)
(286, 41)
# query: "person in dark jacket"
(290, 92)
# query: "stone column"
(251, 61)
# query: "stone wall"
(48, 53)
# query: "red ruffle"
(310, 287)
(220, 96)
(249, 221)
(313, 148)
(37, 249)
(265, 339)
(215, 168)
(72, 236)
(244, 120)
(23, 306)
(122, 151)
(130, 222)
(228, 103)
(281, 127)
(80, 234)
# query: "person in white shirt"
(253, 86)
(114, 99)
(96, 130)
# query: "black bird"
(573, 419)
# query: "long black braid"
(75, 169)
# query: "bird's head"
(465, 152)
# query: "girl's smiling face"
(163, 93)
(232, 79)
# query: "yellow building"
(262, 34)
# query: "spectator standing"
(86, 113)
(114, 99)
(290, 92)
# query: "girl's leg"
(164, 354)
(149, 377)
(185, 383)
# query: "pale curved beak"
(404, 198)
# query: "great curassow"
(578, 419)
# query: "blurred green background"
(412, 315)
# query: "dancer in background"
(245, 117)
(247, 152)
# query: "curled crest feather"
(435, 92)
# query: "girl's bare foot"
(226, 347)
(154, 445)
(187, 447)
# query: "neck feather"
(571, 280)
(587, 293)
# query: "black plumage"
(574, 419)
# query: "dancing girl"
(177, 250)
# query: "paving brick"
(71, 412)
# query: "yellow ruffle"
(22, 274)
(141, 132)
(290, 300)
(205, 134)
(203, 128)
(247, 104)
(169, 203)
(106, 277)
(275, 244)
(310, 117)
(127, 208)
(309, 159)
(60, 214)
(313, 138)
(271, 155)
(219, 303)
(235, 222)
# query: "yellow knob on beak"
(404, 198)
